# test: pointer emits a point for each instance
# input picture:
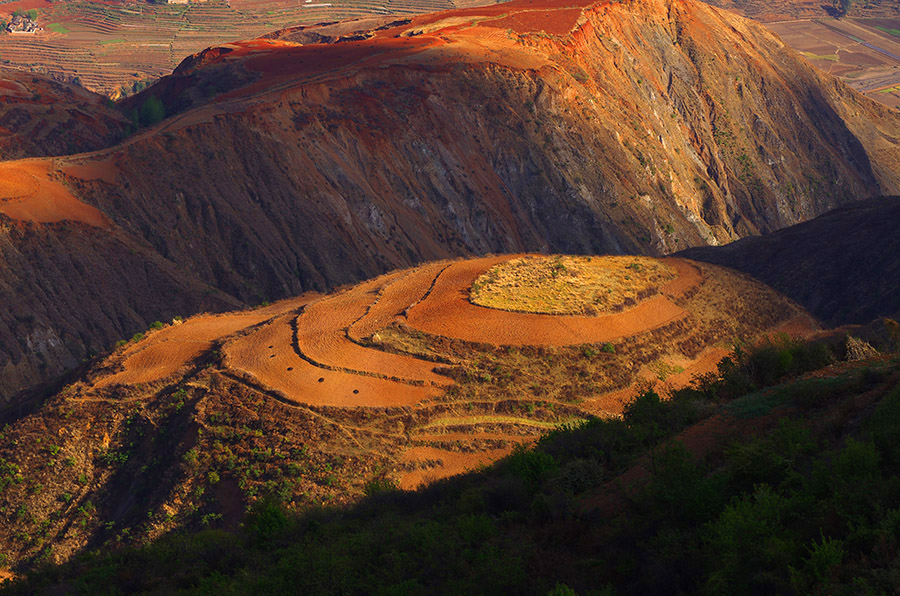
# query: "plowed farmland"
(111, 47)
(449, 384)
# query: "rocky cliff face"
(645, 126)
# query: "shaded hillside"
(316, 399)
(40, 116)
(844, 266)
(634, 127)
(757, 480)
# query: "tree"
(841, 7)
(32, 14)
(152, 111)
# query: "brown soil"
(268, 357)
(448, 312)
(322, 336)
(28, 194)
(434, 464)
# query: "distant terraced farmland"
(112, 46)
(408, 365)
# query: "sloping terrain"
(645, 126)
(318, 399)
(783, 10)
(116, 47)
(778, 474)
(40, 116)
(843, 266)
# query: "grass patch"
(569, 285)
(811, 56)
(482, 419)
(58, 28)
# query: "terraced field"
(111, 46)
(450, 385)
(865, 53)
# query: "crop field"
(865, 53)
(408, 366)
(112, 46)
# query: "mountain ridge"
(285, 168)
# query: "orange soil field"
(394, 300)
(448, 312)
(321, 337)
(267, 355)
(315, 351)
(27, 193)
(451, 463)
(164, 352)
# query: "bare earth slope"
(313, 397)
(644, 126)
(844, 266)
(40, 116)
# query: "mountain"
(404, 379)
(761, 478)
(842, 266)
(646, 126)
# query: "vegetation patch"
(58, 28)
(569, 285)
(804, 503)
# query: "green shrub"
(151, 112)
(562, 590)
(381, 485)
(531, 465)
(748, 545)
(267, 519)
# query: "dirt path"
(448, 312)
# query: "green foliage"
(32, 14)
(267, 520)
(156, 325)
(9, 474)
(531, 465)
(150, 112)
(562, 590)
(378, 486)
(790, 509)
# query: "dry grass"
(569, 285)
